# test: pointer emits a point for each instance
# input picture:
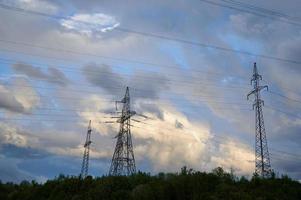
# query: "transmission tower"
(85, 164)
(262, 158)
(123, 161)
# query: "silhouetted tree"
(185, 185)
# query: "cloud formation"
(90, 24)
(8, 101)
(53, 75)
(187, 106)
(144, 84)
(13, 98)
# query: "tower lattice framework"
(262, 158)
(123, 161)
(85, 163)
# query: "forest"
(186, 184)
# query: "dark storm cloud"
(53, 75)
(142, 84)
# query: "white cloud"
(90, 24)
(232, 155)
(167, 145)
(25, 94)
(11, 135)
(18, 96)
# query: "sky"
(188, 65)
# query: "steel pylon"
(123, 161)
(85, 163)
(262, 158)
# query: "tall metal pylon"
(123, 161)
(85, 164)
(262, 158)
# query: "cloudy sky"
(188, 65)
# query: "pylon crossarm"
(250, 93)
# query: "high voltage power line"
(226, 87)
(240, 108)
(286, 97)
(279, 152)
(72, 69)
(138, 93)
(140, 90)
(118, 88)
(208, 99)
(164, 79)
(255, 10)
(163, 66)
(152, 35)
(217, 138)
(284, 112)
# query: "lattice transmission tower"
(85, 164)
(262, 158)
(123, 161)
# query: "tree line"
(185, 185)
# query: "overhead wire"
(221, 140)
(253, 11)
(272, 12)
(192, 68)
(134, 76)
(178, 40)
(284, 96)
(284, 112)
(152, 35)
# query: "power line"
(223, 138)
(114, 74)
(286, 97)
(73, 120)
(287, 153)
(172, 67)
(250, 9)
(285, 88)
(75, 109)
(184, 41)
(11, 61)
(266, 11)
(113, 88)
(143, 90)
(286, 113)
(111, 73)
(137, 93)
(152, 35)
(218, 139)
(207, 99)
